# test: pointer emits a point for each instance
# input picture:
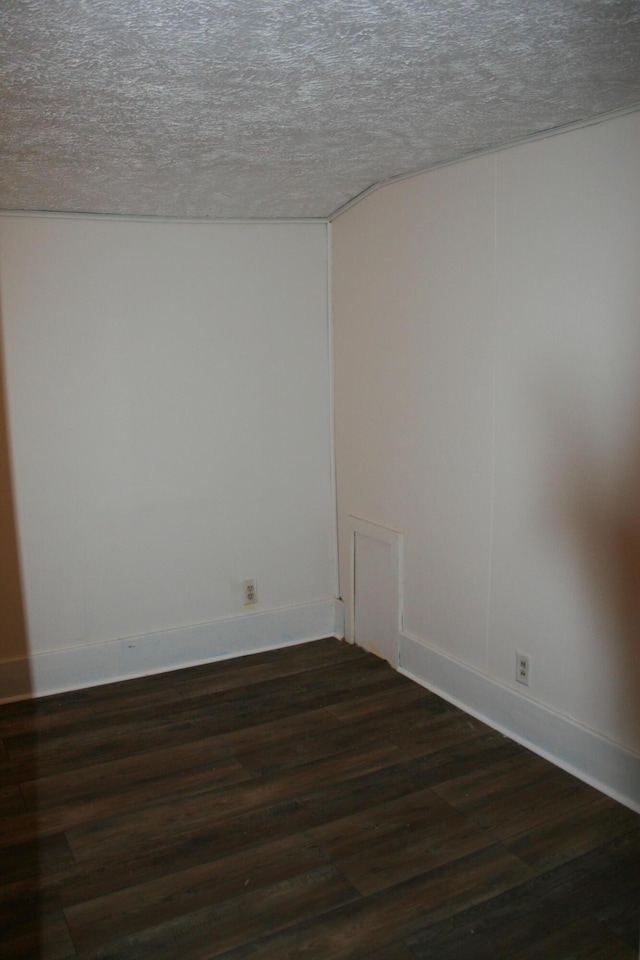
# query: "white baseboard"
(600, 762)
(73, 668)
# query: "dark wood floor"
(305, 803)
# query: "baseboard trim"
(600, 762)
(74, 668)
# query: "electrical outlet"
(523, 668)
(249, 592)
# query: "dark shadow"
(20, 888)
(13, 631)
(601, 503)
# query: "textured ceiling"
(285, 108)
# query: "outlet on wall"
(249, 592)
(523, 668)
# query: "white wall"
(169, 408)
(487, 375)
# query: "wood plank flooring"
(303, 803)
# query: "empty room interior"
(320, 479)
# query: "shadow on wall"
(20, 859)
(13, 633)
(601, 503)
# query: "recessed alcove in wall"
(376, 588)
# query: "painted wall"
(487, 386)
(170, 418)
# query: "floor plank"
(371, 922)
(215, 929)
(307, 802)
(124, 912)
(92, 878)
(585, 939)
(178, 818)
(602, 884)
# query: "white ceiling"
(285, 108)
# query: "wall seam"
(492, 493)
(332, 413)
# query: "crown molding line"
(499, 148)
(343, 208)
(139, 218)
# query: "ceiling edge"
(529, 138)
(138, 218)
